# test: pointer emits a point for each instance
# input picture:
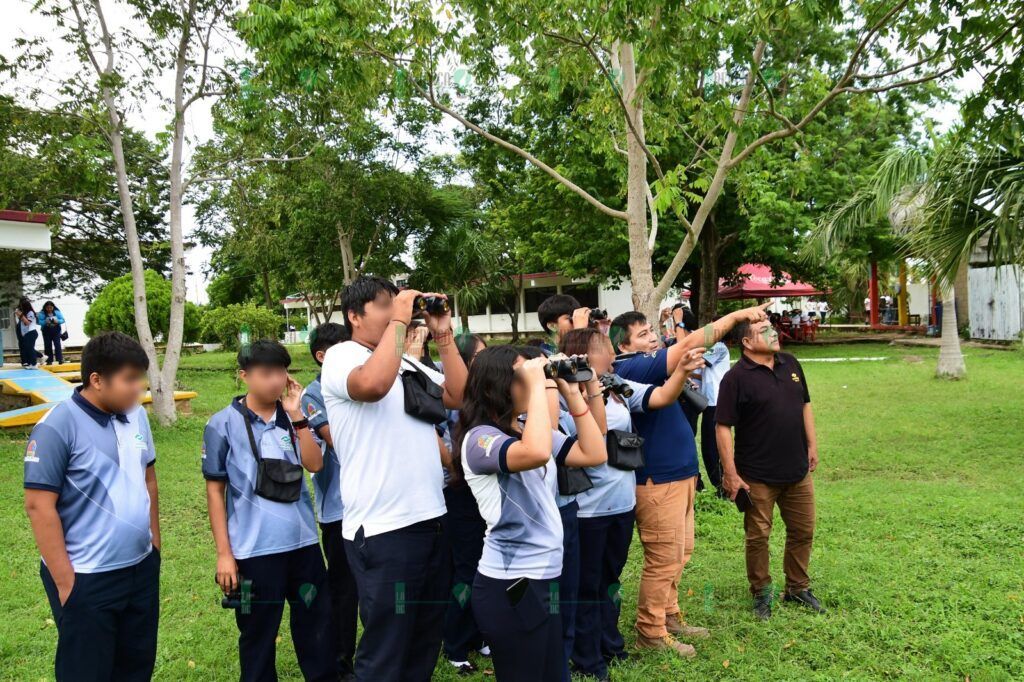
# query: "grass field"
(918, 551)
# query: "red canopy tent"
(757, 283)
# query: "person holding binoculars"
(261, 515)
(510, 464)
(382, 407)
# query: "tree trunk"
(708, 273)
(348, 266)
(951, 360)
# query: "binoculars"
(597, 314)
(616, 385)
(574, 369)
(239, 598)
(433, 305)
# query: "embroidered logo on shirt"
(795, 377)
(312, 411)
(286, 442)
(30, 452)
(484, 442)
(140, 442)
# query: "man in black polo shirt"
(764, 397)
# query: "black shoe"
(805, 598)
(763, 604)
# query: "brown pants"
(664, 519)
(796, 506)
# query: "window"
(586, 294)
(534, 296)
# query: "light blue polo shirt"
(256, 526)
(327, 481)
(96, 463)
(614, 490)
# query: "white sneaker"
(484, 650)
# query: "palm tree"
(942, 204)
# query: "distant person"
(52, 323)
(716, 364)
(27, 331)
(91, 497)
(764, 397)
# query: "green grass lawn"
(918, 552)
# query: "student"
(261, 535)
(607, 510)
(559, 314)
(510, 466)
(52, 320)
(28, 332)
(765, 398)
(390, 478)
(91, 497)
(327, 486)
(667, 484)
(464, 528)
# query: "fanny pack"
(572, 480)
(694, 398)
(276, 479)
(625, 450)
(423, 398)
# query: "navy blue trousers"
(298, 577)
(403, 578)
(344, 595)
(464, 528)
(525, 635)
(604, 547)
(107, 628)
(569, 583)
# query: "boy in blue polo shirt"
(91, 496)
(327, 486)
(261, 514)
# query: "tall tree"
(723, 65)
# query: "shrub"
(222, 325)
(113, 310)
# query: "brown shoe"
(677, 627)
(668, 642)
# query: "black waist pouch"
(276, 479)
(625, 450)
(424, 400)
(572, 480)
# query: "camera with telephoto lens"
(239, 598)
(433, 305)
(598, 315)
(615, 384)
(575, 369)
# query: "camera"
(239, 598)
(574, 369)
(616, 385)
(433, 305)
(597, 315)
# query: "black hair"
(739, 332)
(553, 307)
(531, 352)
(55, 308)
(535, 342)
(578, 341)
(25, 306)
(361, 291)
(263, 353)
(619, 331)
(467, 343)
(109, 353)
(326, 335)
(689, 320)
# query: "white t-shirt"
(389, 461)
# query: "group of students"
(485, 503)
(27, 327)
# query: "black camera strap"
(252, 438)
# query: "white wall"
(997, 302)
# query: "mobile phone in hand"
(743, 502)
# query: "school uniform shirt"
(390, 462)
(614, 490)
(716, 361)
(256, 526)
(670, 451)
(31, 326)
(524, 528)
(326, 482)
(96, 463)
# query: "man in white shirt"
(391, 481)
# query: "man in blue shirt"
(666, 486)
(327, 486)
(261, 515)
(91, 496)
